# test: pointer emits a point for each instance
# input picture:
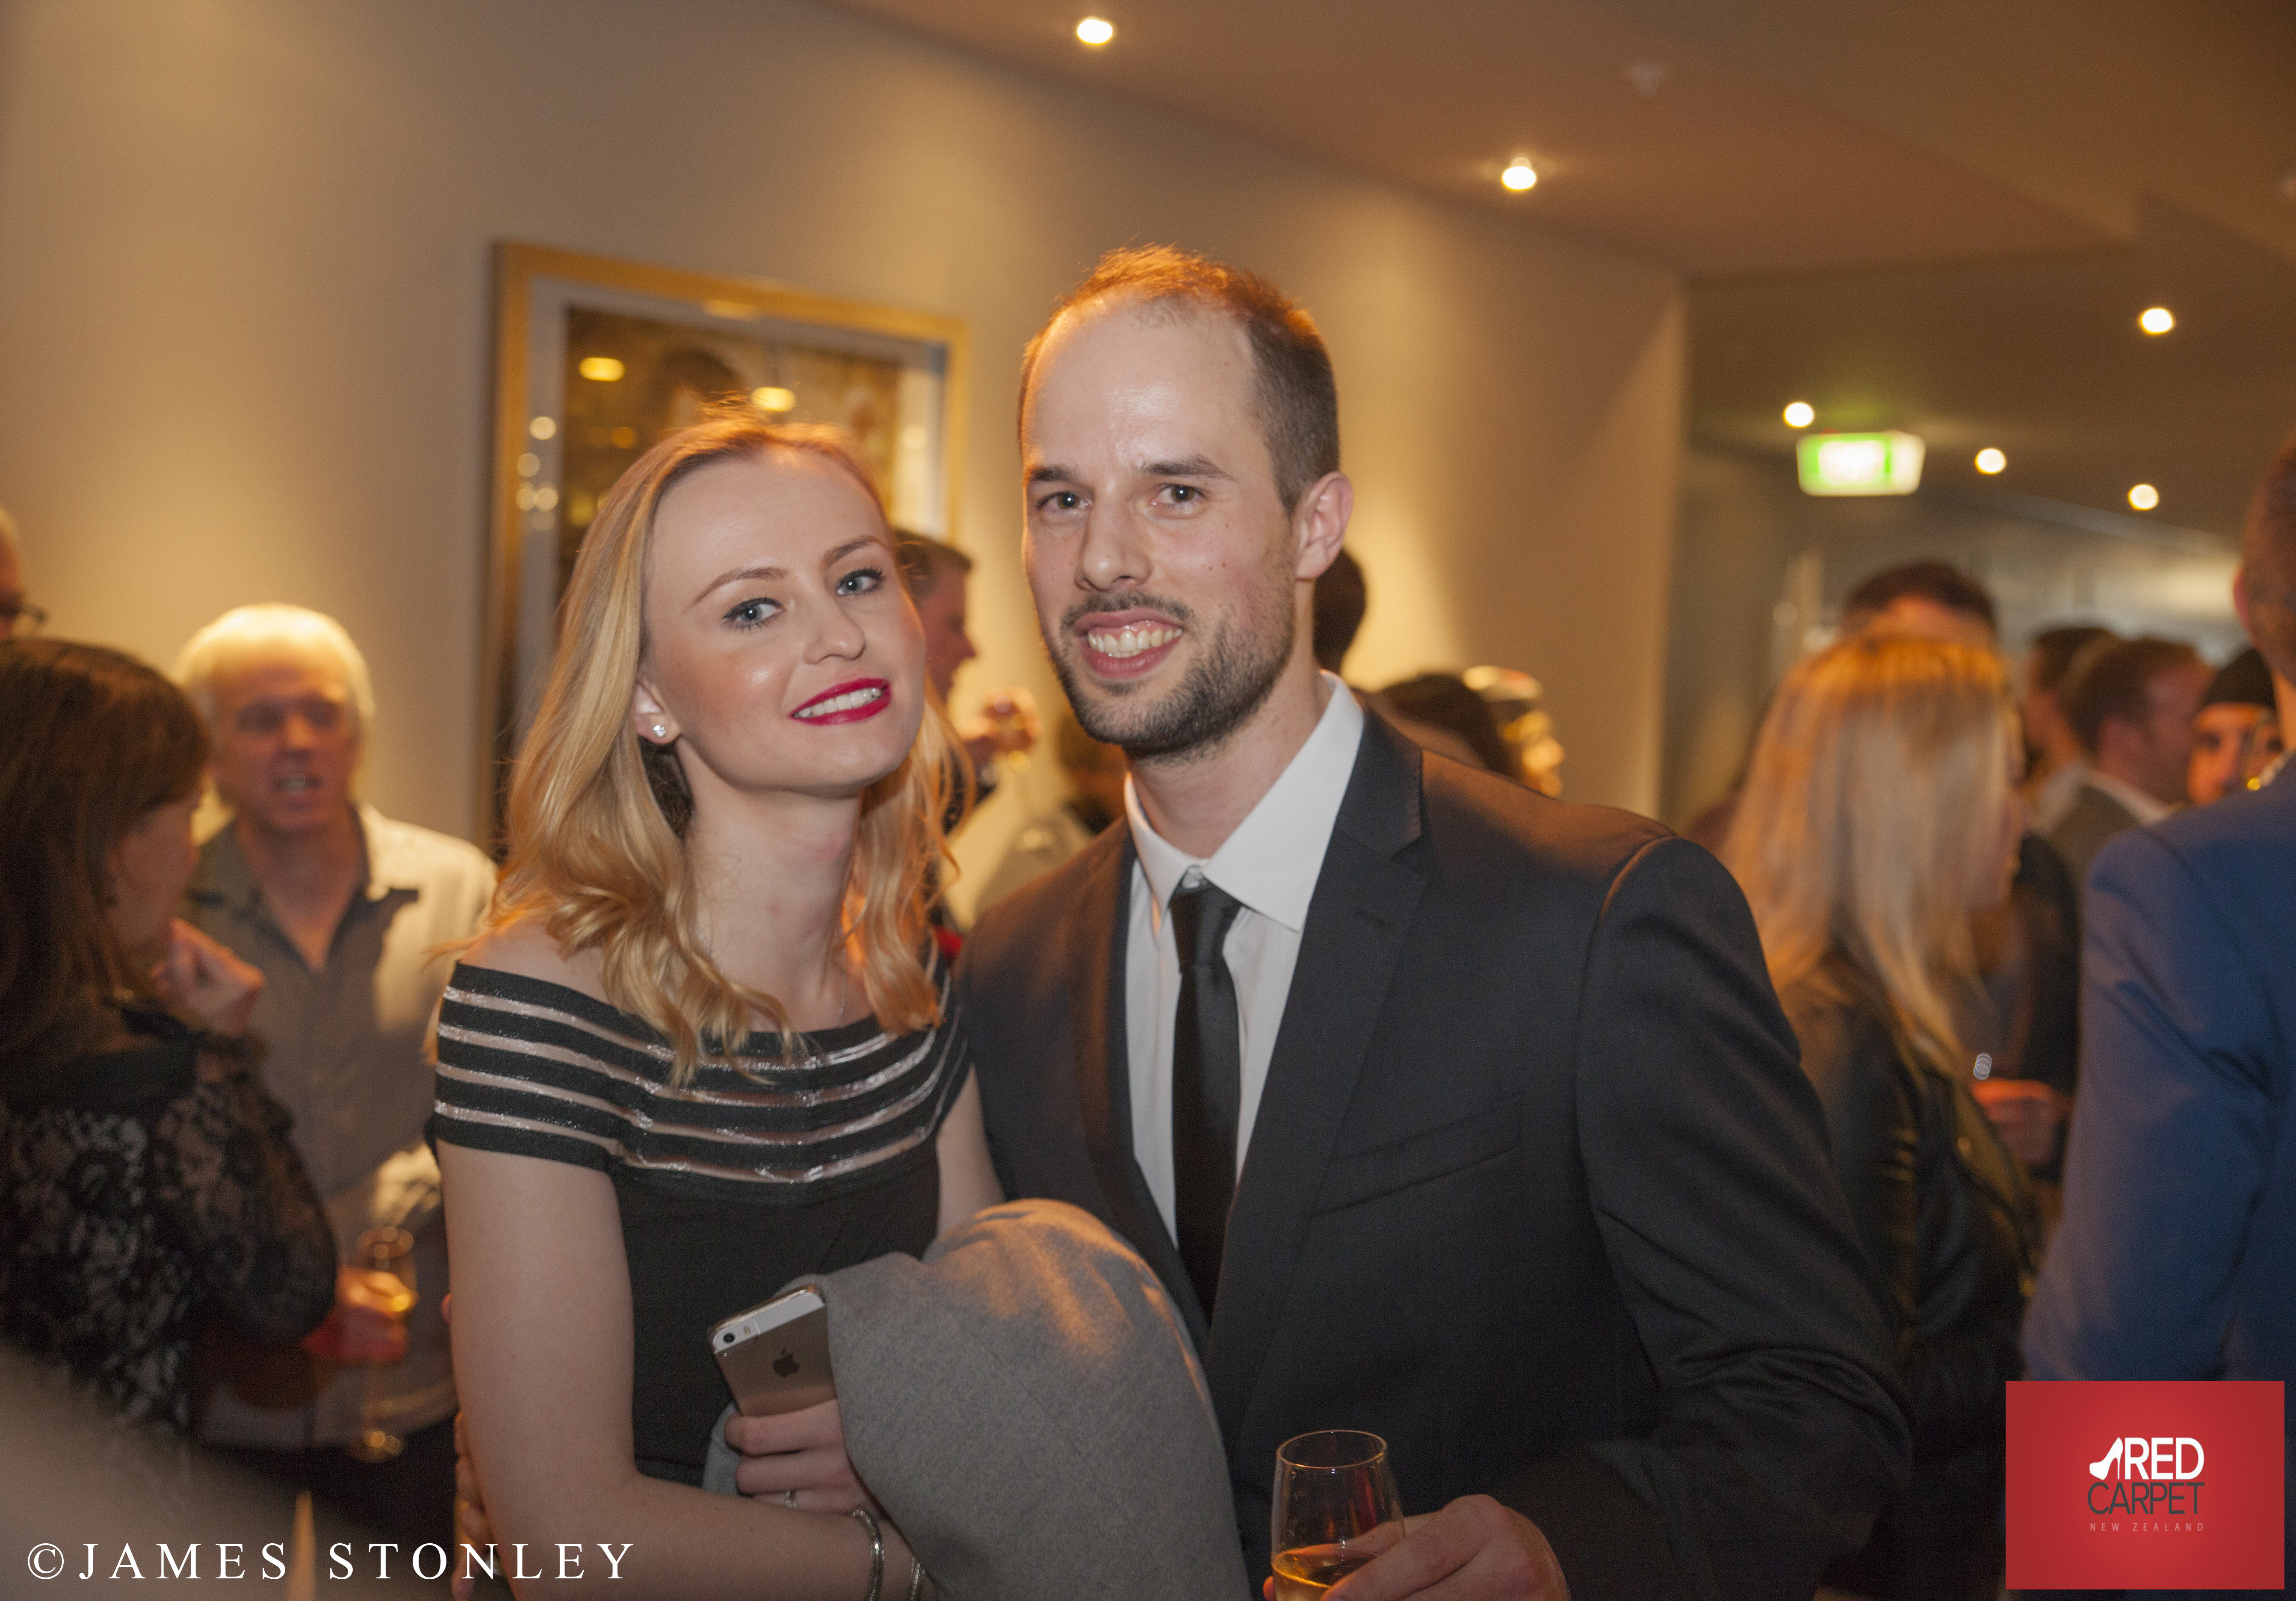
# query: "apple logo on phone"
(785, 1364)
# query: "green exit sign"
(1859, 464)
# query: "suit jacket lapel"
(1095, 934)
(1354, 936)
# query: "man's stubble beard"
(1230, 678)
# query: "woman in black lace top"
(706, 1046)
(146, 1183)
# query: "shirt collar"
(223, 877)
(227, 877)
(389, 869)
(2144, 808)
(1272, 860)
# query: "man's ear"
(1320, 523)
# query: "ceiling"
(2088, 107)
(1717, 169)
(2042, 359)
(1938, 215)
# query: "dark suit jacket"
(2047, 900)
(2095, 817)
(1537, 1190)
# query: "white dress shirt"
(1269, 864)
(2146, 809)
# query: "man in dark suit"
(1443, 1109)
(2132, 703)
(2173, 1259)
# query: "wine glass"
(389, 1250)
(1336, 1509)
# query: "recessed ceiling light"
(774, 398)
(1989, 460)
(1095, 31)
(600, 369)
(1802, 414)
(2143, 496)
(2157, 319)
(1649, 76)
(1519, 176)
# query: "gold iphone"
(776, 1355)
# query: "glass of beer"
(1336, 1509)
(386, 1251)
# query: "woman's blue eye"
(860, 581)
(749, 613)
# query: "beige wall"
(244, 321)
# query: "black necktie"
(1207, 1082)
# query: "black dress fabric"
(1948, 1220)
(757, 1172)
(136, 1202)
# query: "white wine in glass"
(389, 1250)
(1336, 1507)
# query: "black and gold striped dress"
(745, 1178)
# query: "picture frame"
(595, 359)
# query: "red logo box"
(2152, 1485)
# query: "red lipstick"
(852, 702)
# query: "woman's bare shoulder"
(523, 946)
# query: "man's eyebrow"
(269, 702)
(1193, 466)
(755, 570)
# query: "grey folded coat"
(1025, 1404)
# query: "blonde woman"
(706, 1045)
(1879, 814)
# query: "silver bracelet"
(860, 1514)
(916, 1575)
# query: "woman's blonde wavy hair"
(597, 817)
(1876, 789)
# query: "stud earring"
(661, 731)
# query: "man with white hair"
(343, 909)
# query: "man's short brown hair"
(2056, 650)
(2114, 679)
(2267, 553)
(925, 561)
(1940, 583)
(1299, 399)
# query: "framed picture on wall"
(596, 359)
